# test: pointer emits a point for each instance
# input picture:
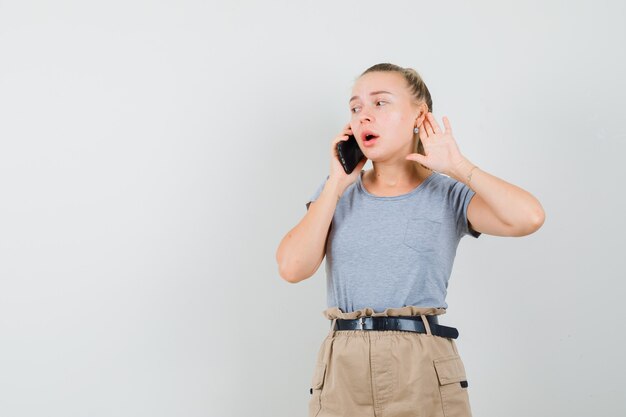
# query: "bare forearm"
(510, 203)
(302, 249)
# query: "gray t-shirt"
(389, 252)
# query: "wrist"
(334, 186)
(462, 170)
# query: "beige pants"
(388, 373)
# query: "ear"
(421, 115)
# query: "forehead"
(380, 81)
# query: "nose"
(365, 115)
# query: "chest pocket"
(423, 234)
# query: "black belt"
(407, 324)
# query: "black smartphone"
(349, 154)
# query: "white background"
(153, 154)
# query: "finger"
(422, 132)
(429, 128)
(433, 123)
(416, 157)
(446, 123)
(337, 140)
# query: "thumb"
(417, 158)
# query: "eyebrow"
(373, 93)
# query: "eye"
(380, 101)
(353, 109)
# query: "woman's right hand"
(337, 172)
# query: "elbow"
(533, 222)
(537, 219)
(289, 275)
(283, 271)
(286, 271)
(292, 267)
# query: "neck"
(398, 175)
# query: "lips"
(368, 135)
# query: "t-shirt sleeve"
(317, 192)
(460, 197)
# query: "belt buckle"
(361, 323)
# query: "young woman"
(390, 236)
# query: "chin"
(378, 155)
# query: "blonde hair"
(416, 85)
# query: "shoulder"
(445, 182)
(438, 182)
(447, 190)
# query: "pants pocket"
(317, 383)
(453, 386)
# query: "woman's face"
(381, 104)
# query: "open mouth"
(370, 137)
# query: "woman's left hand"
(442, 152)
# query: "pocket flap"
(318, 376)
(450, 369)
